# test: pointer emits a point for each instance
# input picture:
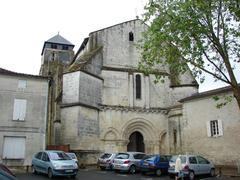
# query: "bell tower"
(56, 50)
(57, 53)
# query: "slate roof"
(58, 39)
(11, 73)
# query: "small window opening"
(64, 47)
(175, 136)
(53, 56)
(214, 128)
(53, 46)
(138, 86)
(131, 37)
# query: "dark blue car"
(157, 164)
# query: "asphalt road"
(93, 174)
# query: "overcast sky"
(26, 24)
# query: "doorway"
(136, 142)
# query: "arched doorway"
(136, 142)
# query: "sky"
(26, 24)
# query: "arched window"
(138, 86)
(131, 37)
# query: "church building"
(99, 101)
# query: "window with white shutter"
(14, 148)
(214, 128)
(19, 111)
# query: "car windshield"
(173, 159)
(72, 155)
(151, 158)
(147, 157)
(58, 156)
(106, 155)
(122, 156)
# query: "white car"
(192, 165)
(105, 161)
(128, 161)
(72, 156)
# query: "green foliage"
(203, 34)
(222, 101)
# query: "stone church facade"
(101, 102)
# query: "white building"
(23, 116)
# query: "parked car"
(105, 161)
(72, 156)
(54, 163)
(128, 161)
(192, 165)
(6, 173)
(158, 164)
(6, 169)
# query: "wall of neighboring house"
(23, 105)
(210, 131)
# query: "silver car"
(105, 161)
(192, 165)
(128, 161)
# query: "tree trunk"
(236, 93)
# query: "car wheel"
(158, 172)
(102, 168)
(73, 176)
(50, 173)
(132, 169)
(212, 172)
(34, 171)
(171, 176)
(116, 171)
(191, 175)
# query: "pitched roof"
(58, 39)
(207, 93)
(11, 73)
(117, 25)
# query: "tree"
(204, 34)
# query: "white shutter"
(23, 105)
(208, 129)
(19, 110)
(220, 128)
(16, 109)
(14, 147)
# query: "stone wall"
(33, 127)
(222, 150)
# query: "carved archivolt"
(111, 134)
(145, 127)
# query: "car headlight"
(75, 165)
(57, 166)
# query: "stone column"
(122, 145)
(130, 90)
(147, 92)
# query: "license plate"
(69, 170)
